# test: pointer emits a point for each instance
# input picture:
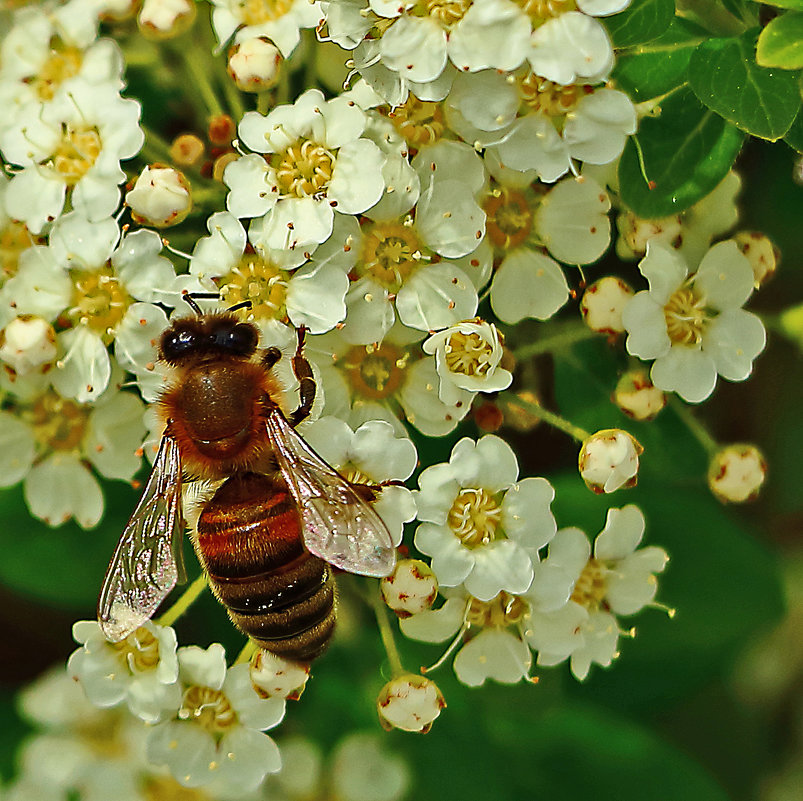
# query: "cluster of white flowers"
(419, 227)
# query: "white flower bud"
(635, 233)
(637, 396)
(255, 64)
(602, 305)
(28, 343)
(160, 197)
(273, 676)
(736, 473)
(761, 253)
(468, 356)
(410, 703)
(165, 19)
(411, 588)
(609, 460)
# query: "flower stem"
(569, 334)
(184, 602)
(696, 428)
(386, 632)
(550, 418)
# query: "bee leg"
(370, 492)
(270, 357)
(303, 372)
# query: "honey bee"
(280, 515)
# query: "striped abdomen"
(249, 542)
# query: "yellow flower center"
(63, 62)
(474, 517)
(420, 122)
(376, 373)
(304, 169)
(99, 301)
(76, 153)
(353, 474)
(503, 610)
(209, 708)
(686, 316)
(256, 12)
(509, 218)
(14, 239)
(446, 12)
(58, 424)
(468, 354)
(261, 282)
(553, 99)
(166, 788)
(541, 10)
(590, 587)
(390, 253)
(139, 651)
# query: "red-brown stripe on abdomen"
(249, 541)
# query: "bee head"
(205, 336)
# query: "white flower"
(312, 296)
(160, 197)
(28, 343)
(480, 525)
(609, 460)
(273, 676)
(617, 580)
(736, 473)
(165, 19)
(72, 146)
(141, 671)
(217, 732)
(371, 454)
(467, 357)
(363, 770)
(310, 161)
(694, 326)
(50, 442)
(410, 703)
(255, 64)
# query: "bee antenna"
(244, 304)
(191, 296)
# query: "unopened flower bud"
(411, 587)
(221, 163)
(165, 19)
(635, 233)
(488, 416)
(637, 396)
(222, 130)
(520, 418)
(736, 473)
(409, 703)
(28, 343)
(187, 150)
(609, 460)
(273, 676)
(602, 305)
(160, 197)
(255, 64)
(761, 253)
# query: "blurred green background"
(705, 706)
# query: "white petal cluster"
(693, 326)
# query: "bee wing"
(147, 562)
(338, 525)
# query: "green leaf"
(794, 136)
(780, 44)
(656, 68)
(61, 566)
(687, 151)
(797, 4)
(725, 77)
(643, 21)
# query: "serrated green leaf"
(725, 77)
(780, 44)
(642, 21)
(656, 68)
(687, 151)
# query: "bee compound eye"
(176, 343)
(240, 339)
